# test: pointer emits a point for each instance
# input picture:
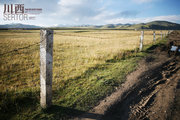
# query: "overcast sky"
(97, 12)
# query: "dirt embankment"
(147, 94)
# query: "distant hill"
(115, 26)
(18, 25)
(158, 25)
(109, 26)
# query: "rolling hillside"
(158, 25)
(18, 25)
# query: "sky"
(97, 12)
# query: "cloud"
(63, 11)
(79, 9)
(1, 11)
(143, 1)
(77, 12)
(171, 18)
(8, 1)
(128, 13)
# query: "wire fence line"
(38, 43)
(81, 36)
(23, 69)
(21, 48)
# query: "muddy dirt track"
(147, 94)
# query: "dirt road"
(152, 97)
(147, 94)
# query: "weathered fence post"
(141, 41)
(154, 36)
(46, 60)
(161, 35)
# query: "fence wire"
(74, 54)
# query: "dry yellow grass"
(74, 52)
(87, 66)
(81, 50)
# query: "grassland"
(87, 66)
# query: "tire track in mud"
(153, 95)
(147, 94)
(148, 108)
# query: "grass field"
(87, 66)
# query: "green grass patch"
(78, 95)
(72, 96)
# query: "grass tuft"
(88, 66)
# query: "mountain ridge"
(158, 25)
(18, 25)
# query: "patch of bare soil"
(147, 94)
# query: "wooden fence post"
(154, 36)
(46, 60)
(141, 41)
(161, 35)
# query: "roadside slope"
(148, 92)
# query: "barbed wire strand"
(16, 50)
